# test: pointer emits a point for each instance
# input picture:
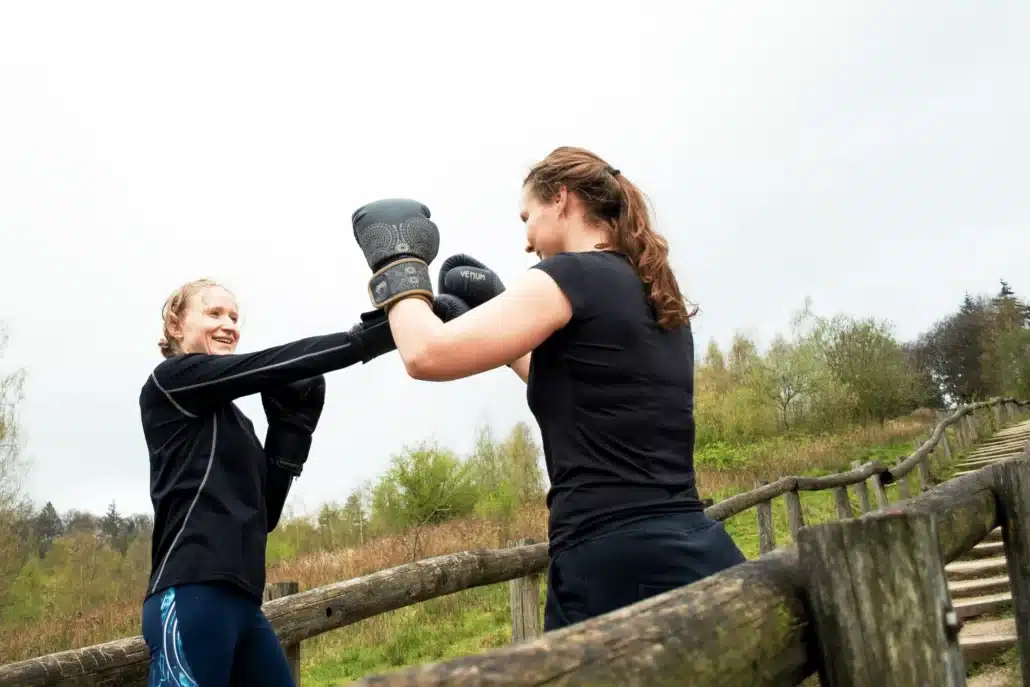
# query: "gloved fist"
(373, 332)
(399, 241)
(447, 307)
(292, 411)
(470, 280)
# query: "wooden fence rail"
(752, 614)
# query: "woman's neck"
(585, 240)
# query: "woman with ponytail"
(601, 333)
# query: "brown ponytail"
(613, 200)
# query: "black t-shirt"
(613, 395)
(208, 470)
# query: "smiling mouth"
(223, 339)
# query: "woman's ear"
(561, 200)
(174, 328)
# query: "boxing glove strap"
(400, 279)
(287, 448)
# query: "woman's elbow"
(422, 364)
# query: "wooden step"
(961, 589)
(988, 458)
(1018, 440)
(985, 549)
(983, 567)
(984, 640)
(993, 455)
(1005, 442)
(994, 535)
(964, 466)
(1004, 676)
(973, 606)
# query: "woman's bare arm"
(504, 329)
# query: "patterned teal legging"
(210, 635)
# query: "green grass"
(465, 623)
(478, 619)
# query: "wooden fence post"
(861, 489)
(881, 610)
(277, 590)
(1012, 487)
(945, 445)
(925, 479)
(971, 426)
(881, 493)
(997, 416)
(795, 516)
(903, 488)
(844, 510)
(766, 531)
(524, 602)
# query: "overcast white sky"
(870, 154)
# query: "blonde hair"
(174, 308)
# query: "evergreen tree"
(48, 527)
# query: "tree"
(15, 511)
(983, 349)
(522, 458)
(793, 378)
(864, 356)
(82, 521)
(12, 463)
(114, 528)
(48, 527)
(425, 485)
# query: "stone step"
(973, 606)
(983, 567)
(961, 589)
(983, 640)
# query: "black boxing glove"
(373, 335)
(292, 411)
(399, 241)
(373, 331)
(470, 280)
(447, 307)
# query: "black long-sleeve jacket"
(215, 495)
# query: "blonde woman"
(217, 490)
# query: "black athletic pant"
(211, 635)
(632, 562)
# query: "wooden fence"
(861, 598)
